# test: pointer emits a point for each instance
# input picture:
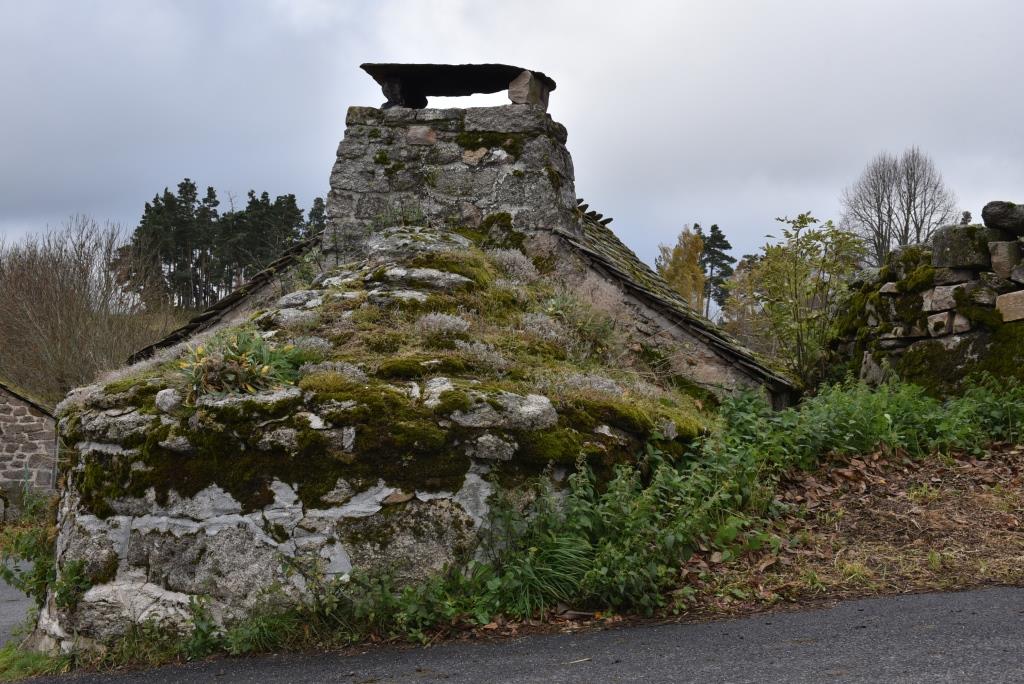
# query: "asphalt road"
(14, 607)
(975, 636)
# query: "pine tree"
(716, 264)
(316, 219)
(201, 254)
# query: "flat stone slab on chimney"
(409, 85)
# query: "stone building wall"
(27, 446)
(939, 313)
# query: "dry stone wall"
(27, 446)
(940, 313)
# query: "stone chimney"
(455, 168)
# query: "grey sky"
(718, 111)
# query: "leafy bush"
(240, 360)
(26, 546)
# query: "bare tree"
(897, 201)
(66, 314)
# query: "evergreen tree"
(316, 220)
(716, 264)
(202, 254)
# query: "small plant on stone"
(238, 360)
(543, 327)
(206, 637)
(483, 356)
(71, 585)
(592, 332)
(27, 546)
(514, 264)
(436, 327)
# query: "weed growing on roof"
(240, 360)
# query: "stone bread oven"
(475, 327)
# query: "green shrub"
(26, 547)
(239, 360)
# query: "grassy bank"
(627, 546)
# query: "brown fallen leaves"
(879, 525)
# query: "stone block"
(871, 371)
(961, 324)
(1004, 216)
(438, 115)
(399, 115)
(421, 135)
(363, 116)
(996, 283)
(527, 89)
(515, 118)
(1011, 306)
(940, 324)
(889, 289)
(953, 276)
(982, 296)
(1005, 257)
(964, 247)
(904, 259)
(942, 297)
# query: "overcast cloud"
(718, 111)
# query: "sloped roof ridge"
(216, 311)
(24, 396)
(596, 241)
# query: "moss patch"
(942, 371)
(474, 140)
(918, 280)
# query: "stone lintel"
(409, 85)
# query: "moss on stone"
(910, 309)
(395, 440)
(554, 177)
(418, 366)
(590, 412)
(942, 371)
(451, 401)
(560, 445)
(474, 140)
(471, 264)
(984, 316)
(327, 382)
(918, 280)
(383, 342)
(501, 220)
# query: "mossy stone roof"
(601, 246)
